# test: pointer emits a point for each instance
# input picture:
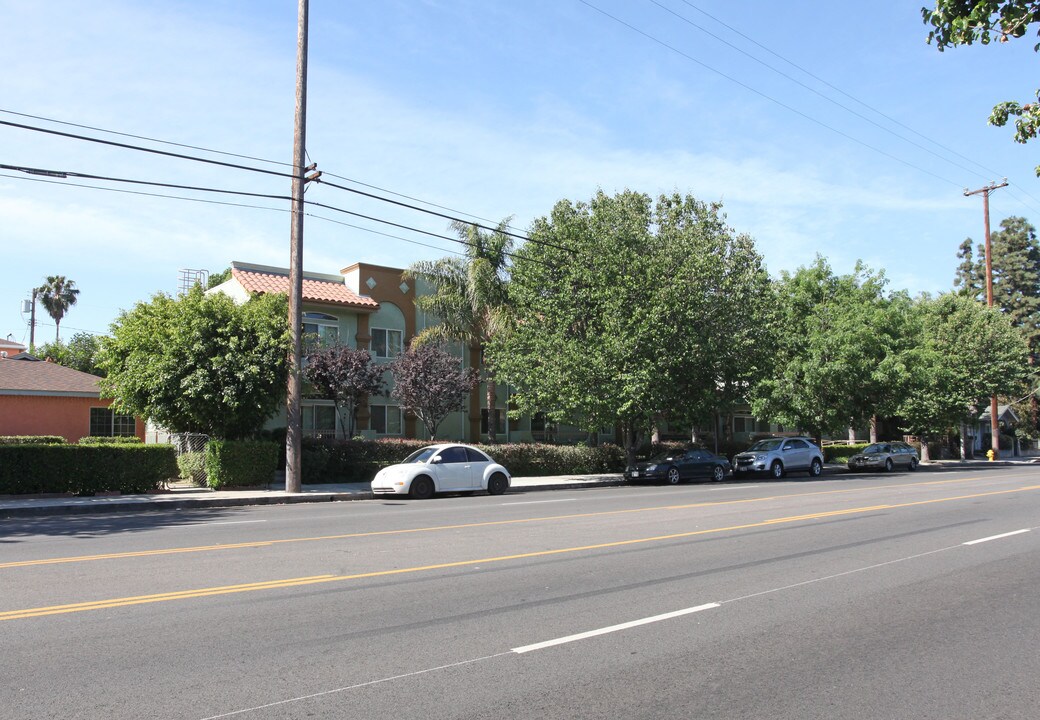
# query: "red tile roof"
(36, 377)
(320, 291)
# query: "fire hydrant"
(990, 455)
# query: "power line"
(928, 138)
(814, 90)
(141, 148)
(459, 241)
(771, 99)
(144, 137)
(236, 166)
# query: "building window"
(387, 343)
(320, 329)
(500, 422)
(385, 419)
(319, 421)
(104, 422)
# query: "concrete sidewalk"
(182, 496)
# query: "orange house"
(43, 398)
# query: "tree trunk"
(631, 444)
(873, 428)
(852, 435)
(693, 434)
(655, 435)
(492, 401)
(965, 447)
(924, 449)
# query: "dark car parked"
(675, 467)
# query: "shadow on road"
(19, 529)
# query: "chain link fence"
(191, 455)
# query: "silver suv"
(778, 456)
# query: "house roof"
(1004, 412)
(45, 378)
(328, 292)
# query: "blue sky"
(497, 108)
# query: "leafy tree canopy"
(965, 22)
(627, 310)
(835, 340)
(80, 353)
(218, 278)
(199, 363)
(965, 354)
(431, 382)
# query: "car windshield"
(420, 456)
(873, 449)
(773, 444)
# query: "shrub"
(842, 453)
(237, 463)
(192, 466)
(85, 469)
(111, 440)
(32, 440)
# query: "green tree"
(1016, 291)
(470, 299)
(218, 278)
(80, 353)
(199, 363)
(57, 295)
(965, 353)
(965, 22)
(834, 338)
(627, 310)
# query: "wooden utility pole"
(293, 414)
(994, 420)
(32, 322)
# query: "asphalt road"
(847, 597)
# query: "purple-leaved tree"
(431, 382)
(345, 376)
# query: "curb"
(186, 504)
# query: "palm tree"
(469, 295)
(57, 295)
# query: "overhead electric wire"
(816, 92)
(59, 174)
(236, 166)
(928, 138)
(144, 137)
(771, 99)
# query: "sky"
(826, 129)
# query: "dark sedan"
(676, 467)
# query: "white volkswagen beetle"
(442, 468)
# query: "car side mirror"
(436, 460)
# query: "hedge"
(238, 463)
(842, 453)
(32, 440)
(85, 469)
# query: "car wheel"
(422, 488)
(718, 473)
(888, 465)
(497, 484)
(776, 470)
(673, 476)
(815, 468)
(913, 464)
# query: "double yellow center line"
(316, 579)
